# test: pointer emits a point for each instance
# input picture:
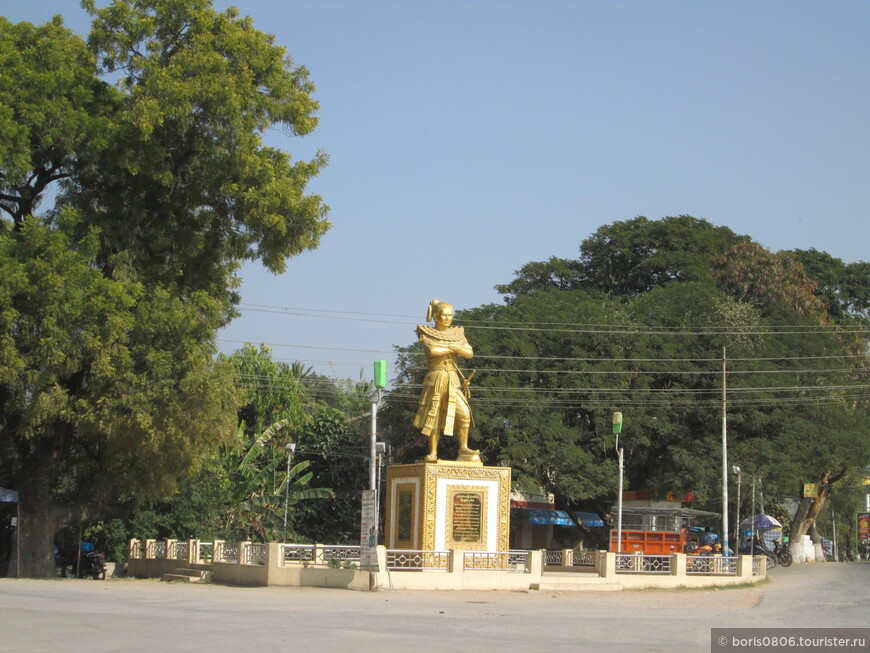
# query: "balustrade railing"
(634, 563)
(255, 554)
(229, 552)
(206, 551)
(495, 560)
(758, 564)
(348, 556)
(406, 559)
(340, 556)
(297, 553)
(180, 550)
(711, 565)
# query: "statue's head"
(441, 312)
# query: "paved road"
(72, 616)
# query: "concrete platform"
(575, 582)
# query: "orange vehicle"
(658, 531)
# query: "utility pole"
(290, 447)
(737, 471)
(617, 429)
(752, 516)
(724, 458)
(370, 508)
(380, 384)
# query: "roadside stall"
(762, 529)
(662, 531)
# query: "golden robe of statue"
(444, 405)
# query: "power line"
(543, 326)
(323, 382)
(490, 394)
(278, 344)
(713, 403)
(808, 370)
(717, 360)
(710, 391)
(577, 359)
(651, 331)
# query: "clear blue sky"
(469, 137)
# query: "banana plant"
(259, 487)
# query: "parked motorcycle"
(87, 561)
(759, 546)
(783, 555)
(778, 554)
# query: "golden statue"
(444, 403)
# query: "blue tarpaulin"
(542, 516)
(8, 496)
(589, 519)
(762, 523)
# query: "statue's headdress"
(433, 308)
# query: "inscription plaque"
(466, 525)
(467, 508)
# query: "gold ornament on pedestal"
(444, 406)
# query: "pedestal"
(448, 505)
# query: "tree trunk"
(40, 521)
(36, 529)
(808, 511)
(818, 549)
(34, 479)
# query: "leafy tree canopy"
(628, 258)
(151, 132)
(645, 321)
(845, 287)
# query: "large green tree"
(844, 286)
(649, 320)
(110, 298)
(630, 257)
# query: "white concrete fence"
(318, 565)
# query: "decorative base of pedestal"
(458, 463)
(448, 505)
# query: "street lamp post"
(617, 429)
(290, 447)
(380, 384)
(752, 517)
(737, 471)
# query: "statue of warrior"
(444, 403)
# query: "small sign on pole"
(368, 534)
(380, 374)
